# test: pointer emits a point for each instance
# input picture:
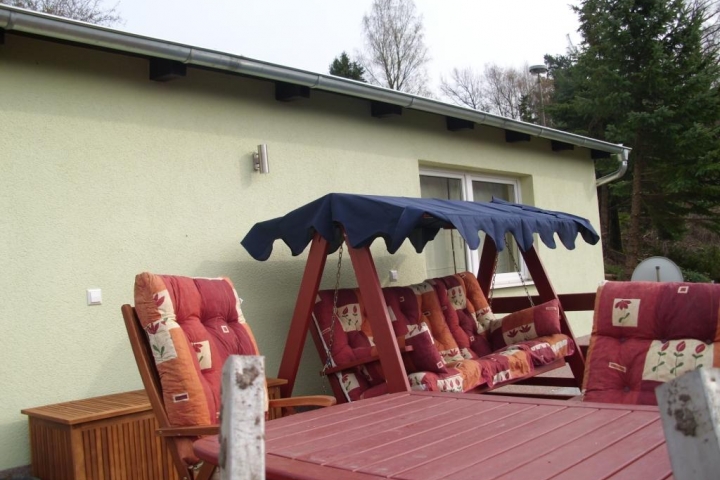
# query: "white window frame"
(472, 257)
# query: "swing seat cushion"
(529, 324)
(448, 323)
(647, 333)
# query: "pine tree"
(343, 67)
(643, 77)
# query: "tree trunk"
(633, 240)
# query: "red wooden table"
(420, 435)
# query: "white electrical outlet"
(94, 296)
(393, 275)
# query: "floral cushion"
(646, 333)
(424, 356)
(193, 325)
(528, 324)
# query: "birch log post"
(242, 419)
(690, 410)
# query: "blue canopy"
(367, 217)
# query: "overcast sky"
(308, 34)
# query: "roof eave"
(14, 19)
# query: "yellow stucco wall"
(104, 174)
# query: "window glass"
(484, 191)
(448, 253)
(445, 255)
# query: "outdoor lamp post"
(538, 70)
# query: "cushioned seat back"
(350, 339)
(193, 325)
(471, 316)
(646, 333)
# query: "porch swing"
(336, 221)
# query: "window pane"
(445, 255)
(484, 192)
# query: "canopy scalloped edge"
(394, 219)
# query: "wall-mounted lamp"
(260, 159)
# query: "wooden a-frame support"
(369, 285)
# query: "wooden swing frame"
(389, 353)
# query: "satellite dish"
(657, 269)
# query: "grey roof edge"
(14, 19)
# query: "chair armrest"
(192, 431)
(307, 401)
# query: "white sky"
(308, 34)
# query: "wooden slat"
(348, 428)
(603, 464)
(529, 447)
(406, 438)
(571, 302)
(341, 445)
(655, 465)
(560, 459)
(303, 310)
(277, 468)
(379, 319)
(91, 409)
(291, 425)
(466, 459)
(474, 430)
(365, 361)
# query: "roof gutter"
(25, 21)
(622, 159)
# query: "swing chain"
(492, 281)
(517, 269)
(328, 348)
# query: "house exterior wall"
(104, 174)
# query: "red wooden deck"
(424, 436)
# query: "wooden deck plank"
(531, 449)
(351, 430)
(378, 446)
(298, 423)
(467, 459)
(654, 465)
(614, 458)
(280, 468)
(572, 453)
(471, 432)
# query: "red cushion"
(424, 356)
(528, 324)
(647, 333)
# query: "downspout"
(622, 159)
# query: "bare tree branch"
(395, 53)
(91, 11)
(498, 90)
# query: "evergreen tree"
(343, 67)
(643, 77)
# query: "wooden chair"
(180, 439)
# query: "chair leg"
(206, 471)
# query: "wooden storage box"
(108, 437)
